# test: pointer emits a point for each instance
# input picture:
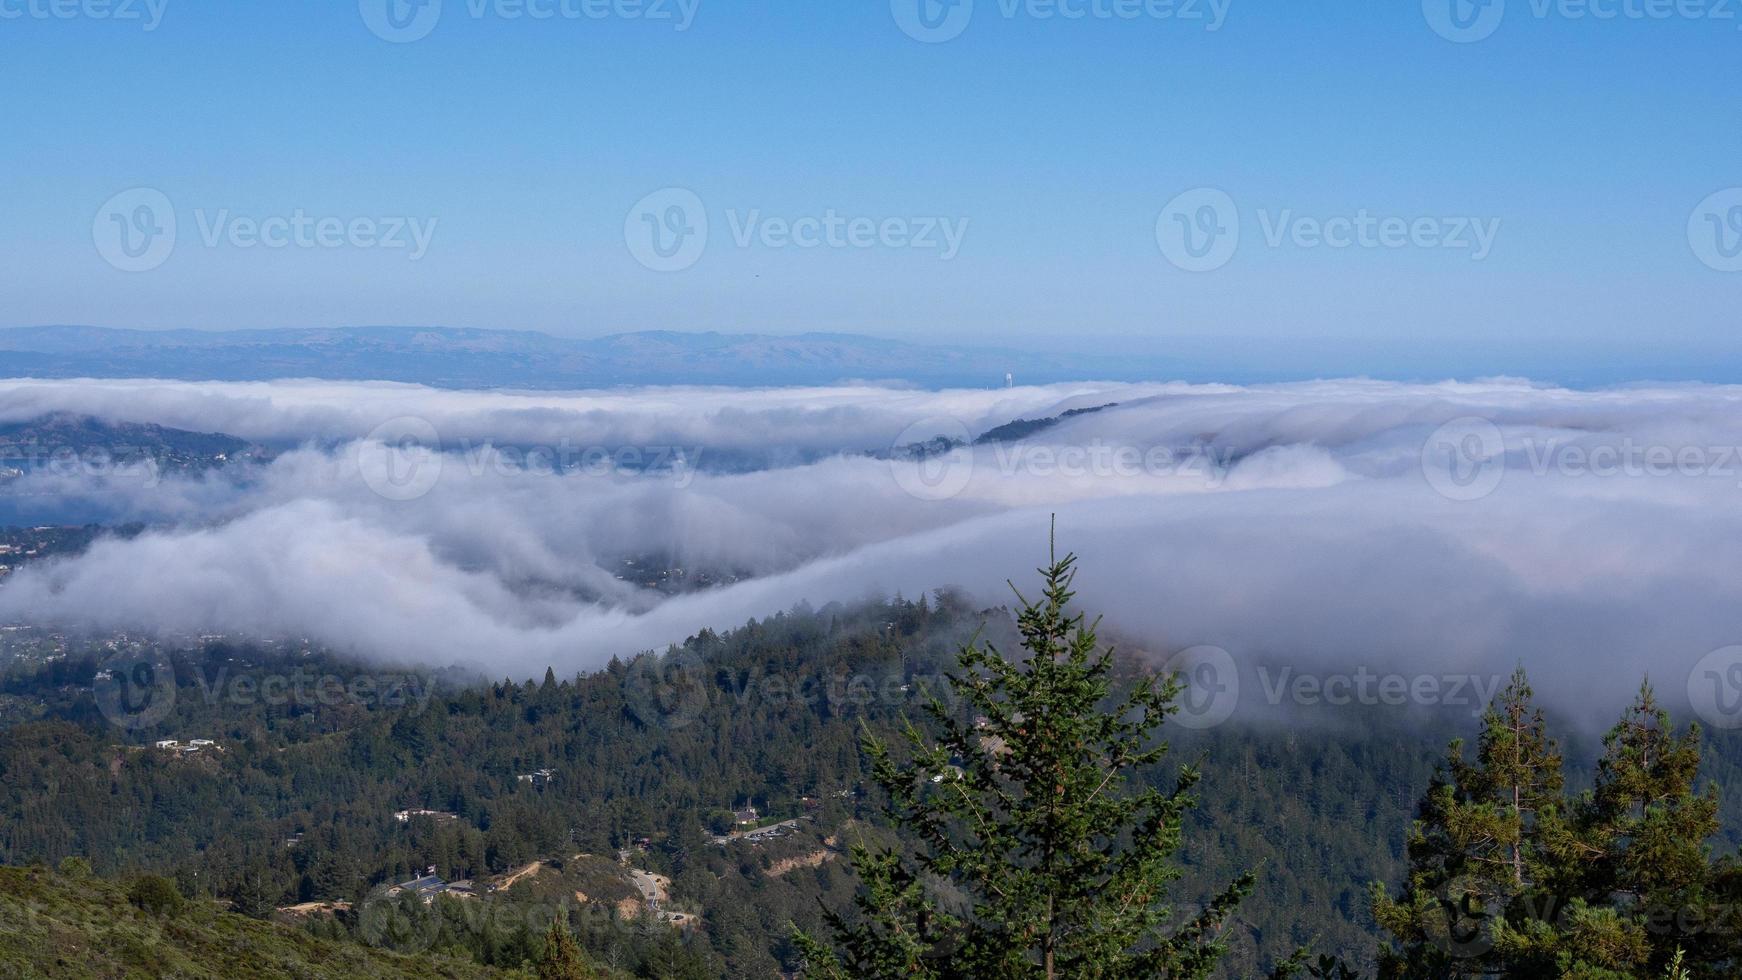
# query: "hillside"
(55, 925)
(46, 438)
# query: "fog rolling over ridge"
(1335, 527)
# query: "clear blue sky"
(1059, 142)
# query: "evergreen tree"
(1034, 855)
(1478, 873)
(561, 958)
(1636, 844)
(1506, 879)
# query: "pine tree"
(1479, 876)
(1653, 824)
(561, 958)
(1033, 856)
(1636, 844)
(1506, 879)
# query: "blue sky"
(527, 149)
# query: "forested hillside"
(72, 925)
(310, 791)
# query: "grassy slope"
(56, 926)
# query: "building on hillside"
(404, 816)
(539, 779)
(426, 887)
(429, 885)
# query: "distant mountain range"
(464, 358)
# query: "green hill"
(55, 925)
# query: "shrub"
(155, 896)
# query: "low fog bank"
(1338, 540)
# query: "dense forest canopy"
(328, 781)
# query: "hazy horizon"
(1442, 187)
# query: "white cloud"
(1306, 532)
